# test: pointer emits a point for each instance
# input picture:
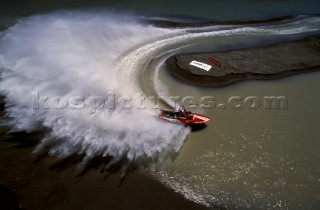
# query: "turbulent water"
(75, 74)
(84, 55)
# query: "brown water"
(252, 158)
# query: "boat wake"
(63, 72)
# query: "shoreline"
(177, 24)
(181, 24)
(40, 181)
(266, 63)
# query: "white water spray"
(81, 54)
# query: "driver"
(182, 111)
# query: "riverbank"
(38, 185)
(33, 181)
(266, 63)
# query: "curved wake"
(80, 55)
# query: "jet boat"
(183, 117)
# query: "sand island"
(270, 62)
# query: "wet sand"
(271, 62)
(36, 185)
(33, 181)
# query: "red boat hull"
(186, 119)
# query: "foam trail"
(72, 54)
